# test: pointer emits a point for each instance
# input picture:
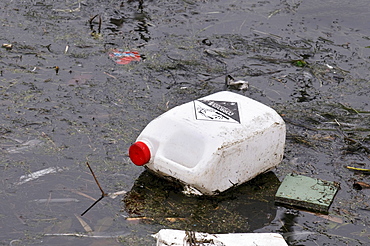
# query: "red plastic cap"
(139, 153)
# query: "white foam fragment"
(35, 175)
(171, 237)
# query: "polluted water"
(66, 99)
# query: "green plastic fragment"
(299, 63)
(307, 193)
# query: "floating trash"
(7, 46)
(236, 84)
(361, 185)
(56, 200)
(35, 175)
(121, 56)
(358, 169)
(305, 192)
(226, 139)
(178, 237)
(24, 146)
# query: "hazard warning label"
(217, 111)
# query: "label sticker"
(217, 111)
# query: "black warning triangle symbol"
(217, 111)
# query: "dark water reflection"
(243, 209)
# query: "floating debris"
(191, 191)
(299, 63)
(35, 175)
(357, 169)
(83, 223)
(56, 200)
(361, 185)
(239, 84)
(305, 192)
(7, 46)
(140, 219)
(179, 237)
(121, 56)
(327, 217)
(115, 194)
(103, 194)
(94, 33)
(217, 52)
(91, 234)
(24, 146)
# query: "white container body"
(216, 142)
(181, 238)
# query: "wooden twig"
(99, 23)
(91, 22)
(92, 205)
(361, 185)
(99, 28)
(96, 180)
(103, 194)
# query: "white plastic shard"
(166, 237)
(191, 191)
(35, 175)
(24, 146)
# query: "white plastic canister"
(213, 143)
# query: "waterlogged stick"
(103, 194)
(96, 180)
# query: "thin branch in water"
(91, 22)
(99, 28)
(92, 205)
(96, 180)
(92, 25)
(103, 194)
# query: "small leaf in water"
(299, 63)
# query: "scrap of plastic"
(178, 237)
(121, 56)
(188, 190)
(35, 175)
(239, 84)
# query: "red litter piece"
(121, 56)
(139, 153)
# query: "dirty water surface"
(80, 79)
